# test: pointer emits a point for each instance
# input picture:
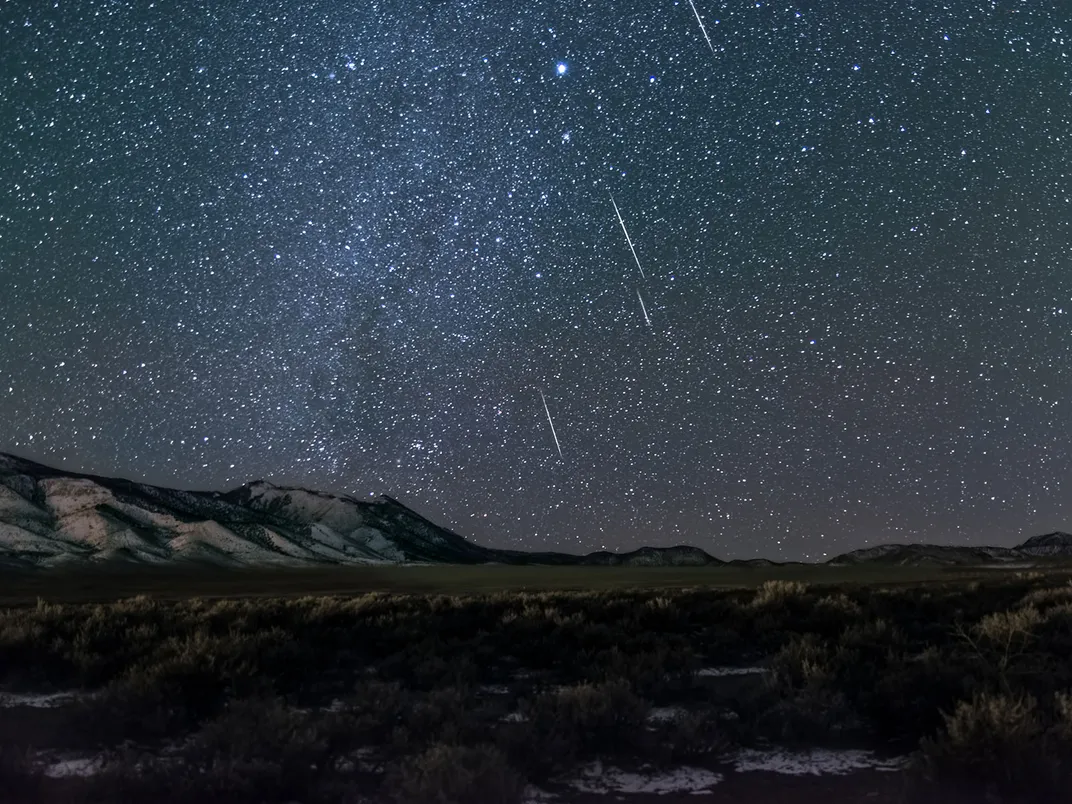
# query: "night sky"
(346, 245)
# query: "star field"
(347, 245)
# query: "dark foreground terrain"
(957, 689)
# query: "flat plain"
(110, 583)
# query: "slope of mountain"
(1048, 544)
(678, 556)
(928, 555)
(49, 517)
(756, 562)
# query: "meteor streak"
(554, 435)
(643, 308)
(627, 238)
(703, 30)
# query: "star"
(345, 252)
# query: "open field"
(104, 584)
(875, 687)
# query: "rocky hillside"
(1048, 544)
(1053, 545)
(49, 517)
(679, 556)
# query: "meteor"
(554, 435)
(627, 238)
(703, 30)
(643, 308)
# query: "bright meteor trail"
(627, 238)
(643, 308)
(554, 435)
(703, 30)
(403, 235)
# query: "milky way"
(347, 245)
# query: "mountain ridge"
(51, 517)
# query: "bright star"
(562, 67)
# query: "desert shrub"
(779, 592)
(876, 635)
(1053, 637)
(1001, 640)
(1048, 596)
(913, 690)
(840, 604)
(191, 684)
(111, 638)
(452, 774)
(1009, 630)
(923, 615)
(445, 715)
(375, 709)
(31, 652)
(864, 652)
(256, 750)
(661, 603)
(577, 722)
(810, 715)
(802, 661)
(831, 614)
(186, 682)
(687, 736)
(1062, 719)
(807, 705)
(993, 743)
(597, 636)
(129, 709)
(431, 662)
(660, 613)
(260, 750)
(437, 671)
(656, 674)
(719, 645)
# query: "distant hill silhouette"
(49, 517)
